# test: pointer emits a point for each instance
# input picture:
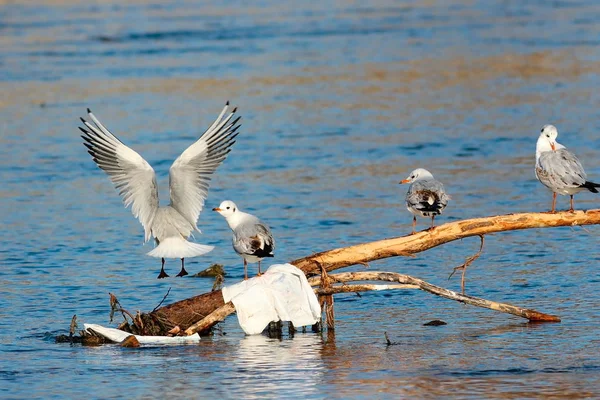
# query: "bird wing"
(254, 239)
(427, 196)
(190, 174)
(133, 177)
(560, 169)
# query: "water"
(339, 101)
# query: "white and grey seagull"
(426, 196)
(189, 179)
(252, 239)
(558, 169)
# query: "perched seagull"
(189, 179)
(558, 169)
(426, 197)
(252, 239)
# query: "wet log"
(186, 313)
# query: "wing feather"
(132, 176)
(560, 169)
(190, 174)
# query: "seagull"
(426, 196)
(558, 169)
(189, 180)
(252, 239)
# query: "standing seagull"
(426, 196)
(558, 169)
(189, 179)
(252, 239)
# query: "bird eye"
(228, 208)
(547, 136)
(542, 130)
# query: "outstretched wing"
(190, 174)
(133, 177)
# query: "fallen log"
(187, 312)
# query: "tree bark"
(186, 312)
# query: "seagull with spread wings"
(189, 179)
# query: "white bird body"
(189, 179)
(252, 239)
(558, 169)
(426, 197)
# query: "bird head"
(419, 173)
(226, 208)
(547, 139)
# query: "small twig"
(163, 299)
(218, 282)
(124, 311)
(467, 262)
(72, 327)
(388, 342)
(115, 306)
(138, 322)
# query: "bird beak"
(553, 146)
(216, 209)
(404, 181)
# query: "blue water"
(340, 101)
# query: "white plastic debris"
(117, 335)
(282, 293)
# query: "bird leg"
(572, 209)
(162, 274)
(432, 225)
(183, 272)
(553, 202)
(259, 274)
(245, 270)
(414, 225)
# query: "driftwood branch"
(425, 240)
(467, 262)
(211, 319)
(188, 312)
(364, 287)
(531, 315)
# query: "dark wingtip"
(227, 103)
(89, 111)
(234, 110)
(82, 120)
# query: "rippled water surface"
(340, 101)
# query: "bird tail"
(591, 186)
(178, 247)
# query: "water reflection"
(263, 365)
